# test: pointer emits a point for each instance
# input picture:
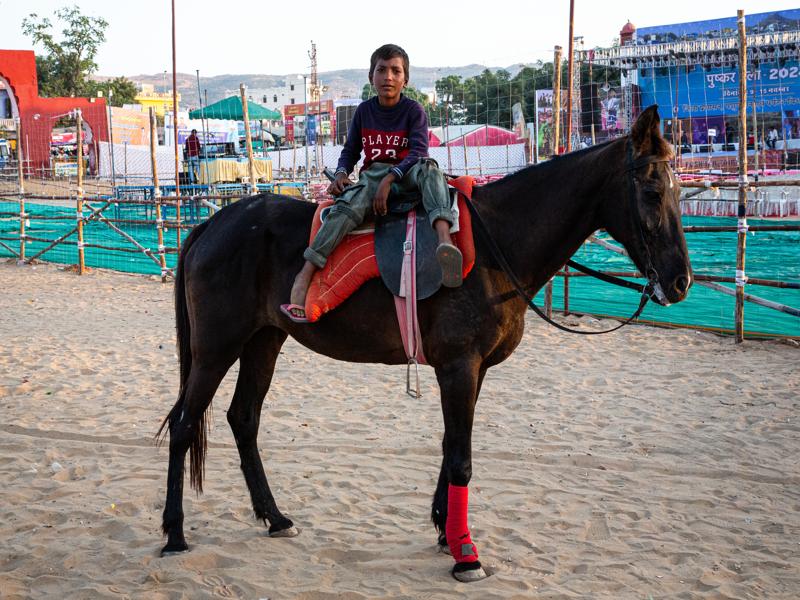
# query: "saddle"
(377, 250)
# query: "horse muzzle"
(676, 291)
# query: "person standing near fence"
(772, 138)
(192, 152)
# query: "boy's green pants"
(355, 203)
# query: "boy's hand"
(338, 185)
(380, 201)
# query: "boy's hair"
(386, 52)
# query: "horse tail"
(199, 441)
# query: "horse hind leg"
(187, 431)
(256, 367)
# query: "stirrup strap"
(406, 306)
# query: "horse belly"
(363, 329)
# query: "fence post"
(548, 298)
(22, 214)
(111, 145)
(81, 256)
(741, 278)
(570, 68)
(548, 292)
(157, 195)
(557, 100)
(250, 165)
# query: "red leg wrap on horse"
(456, 530)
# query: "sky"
(261, 37)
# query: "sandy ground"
(644, 464)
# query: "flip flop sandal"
(288, 309)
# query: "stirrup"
(414, 393)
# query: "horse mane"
(552, 163)
(660, 148)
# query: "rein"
(646, 290)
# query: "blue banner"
(694, 91)
(311, 130)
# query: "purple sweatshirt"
(396, 135)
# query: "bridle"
(647, 291)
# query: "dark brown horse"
(237, 268)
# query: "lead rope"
(646, 290)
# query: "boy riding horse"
(392, 131)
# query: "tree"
(65, 67)
(367, 91)
(410, 91)
(415, 94)
(487, 98)
(124, 90)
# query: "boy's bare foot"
(297, 298)
(301, 282)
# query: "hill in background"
(345, 83)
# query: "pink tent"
(472, 135)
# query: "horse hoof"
(469, 575)
(289, 532)
(443, 549)
(173, 549)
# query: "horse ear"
(645, 130)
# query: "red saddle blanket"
(353, 261)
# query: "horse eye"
(652, 196)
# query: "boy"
(392, 130)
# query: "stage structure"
(691, 71)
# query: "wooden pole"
(570, 75)
(251, 167)
(785, 166)
(162, 259)
(548, 290)
(570, 68)
(557, 100)
(175, 132)
(447, 135)
(548, 298)
(22, 214)
(755, 142)
(593, 98)
(741, 244)
(79, 140)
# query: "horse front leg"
(256, 367)
(439, 505)
(459, 384)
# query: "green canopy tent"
(231, 108)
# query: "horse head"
(644, 213)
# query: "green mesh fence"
(770, 255)
(51, 221)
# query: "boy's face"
(389, 79)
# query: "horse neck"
(542, 214)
